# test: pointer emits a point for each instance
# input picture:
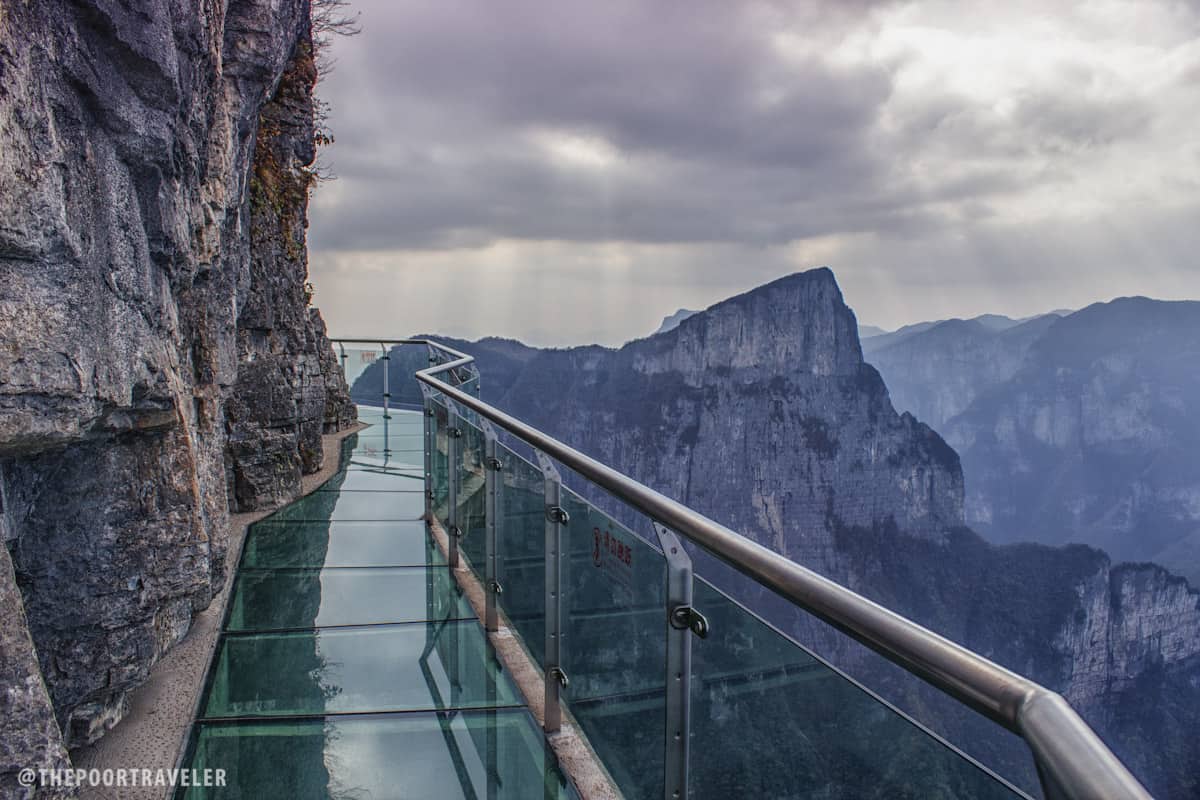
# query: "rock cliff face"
(158, 362)
(673, 320)
(1080, 429)
(935, 373)
(761, 413)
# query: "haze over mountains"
(762, 413)
(1080, 428)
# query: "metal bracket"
(429, 429)
(684, 618)
(556, 562)
(546, 465)
(456, 531)
(493, 484)
(681, 618)
(453, 474)
(386, 395)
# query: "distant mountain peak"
(672, 321)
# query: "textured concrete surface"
(154, 732)
(576, 757)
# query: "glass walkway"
(350, 663)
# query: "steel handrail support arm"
(493, 481)
(430, 444)
(387, 395)
(555, 558)
(677, 739)
(453, 453)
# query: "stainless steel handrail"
(1072, 760)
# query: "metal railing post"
(682, 620)
(430, 444)
(386, 396)
(493, 479)
(556, 520)
(453, 432)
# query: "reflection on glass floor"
(450, 755)
(352, 664)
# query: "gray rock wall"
(159, 362)
(1074, 429)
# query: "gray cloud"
(777, 132)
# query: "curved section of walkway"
(350, 663)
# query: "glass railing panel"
(520, 547)
(469, 384)
(472, 494)
(768, 719)
(614, 647)
(355, 359)
(440, 462)
(984, 741)
(363, 366)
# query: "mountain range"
(1077, 428)
(762, 413)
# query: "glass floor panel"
(498, 755)
(398, 425)
(399, 418)
(377, 481)
(373, 448)
(367, 506)
(375, 437)
(401, 462)
(307, 598)
(422, 666)
(340, 544)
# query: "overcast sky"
(569, 172)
